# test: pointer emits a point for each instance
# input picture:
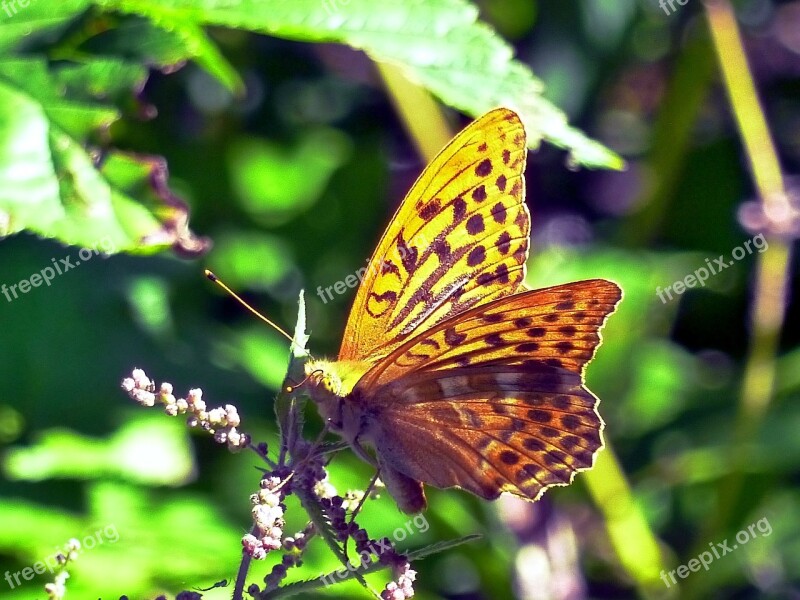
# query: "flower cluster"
(383, 549)
(404, 586)
(294, 546)
(221, 422)
(58, 588)
(301, 470)
(268, 509)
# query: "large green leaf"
(19, 22)
(440, 44)
(51, 184)
(130, 453)
(139, 41)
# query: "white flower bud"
(144, 397)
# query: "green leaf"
(275, 184)
(252, 260)
(289, 405)
(119, 517)
(298, 587)
(18, 22)
(148, 451)
(109, 78)
(439, 44)
(52, 185)
(139, 40)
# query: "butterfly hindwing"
(459, 238)
(493, 400)
(534, 430)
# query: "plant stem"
(421, 115)
(241, 575)
(772, 267)
(634, 542)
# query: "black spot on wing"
(409, 255)
(494, 339)
(459, 209)
(453, 338)
(499, 213)
(431, 209)
(503, 243)
(484, 168)
(509, 457)
(475, 225)
(476, 256)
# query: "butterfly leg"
(367, 492)
(361, 502)
(362, 453)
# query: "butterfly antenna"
(290, 389)
(216, 280)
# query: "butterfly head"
(337, 378)
(321, 378)
(328, 383)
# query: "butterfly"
(451, 370)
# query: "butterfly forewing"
(559, 325)
(459, 238)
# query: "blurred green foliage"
(292, 160)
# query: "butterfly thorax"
(330, 385)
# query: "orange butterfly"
(450, 369)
